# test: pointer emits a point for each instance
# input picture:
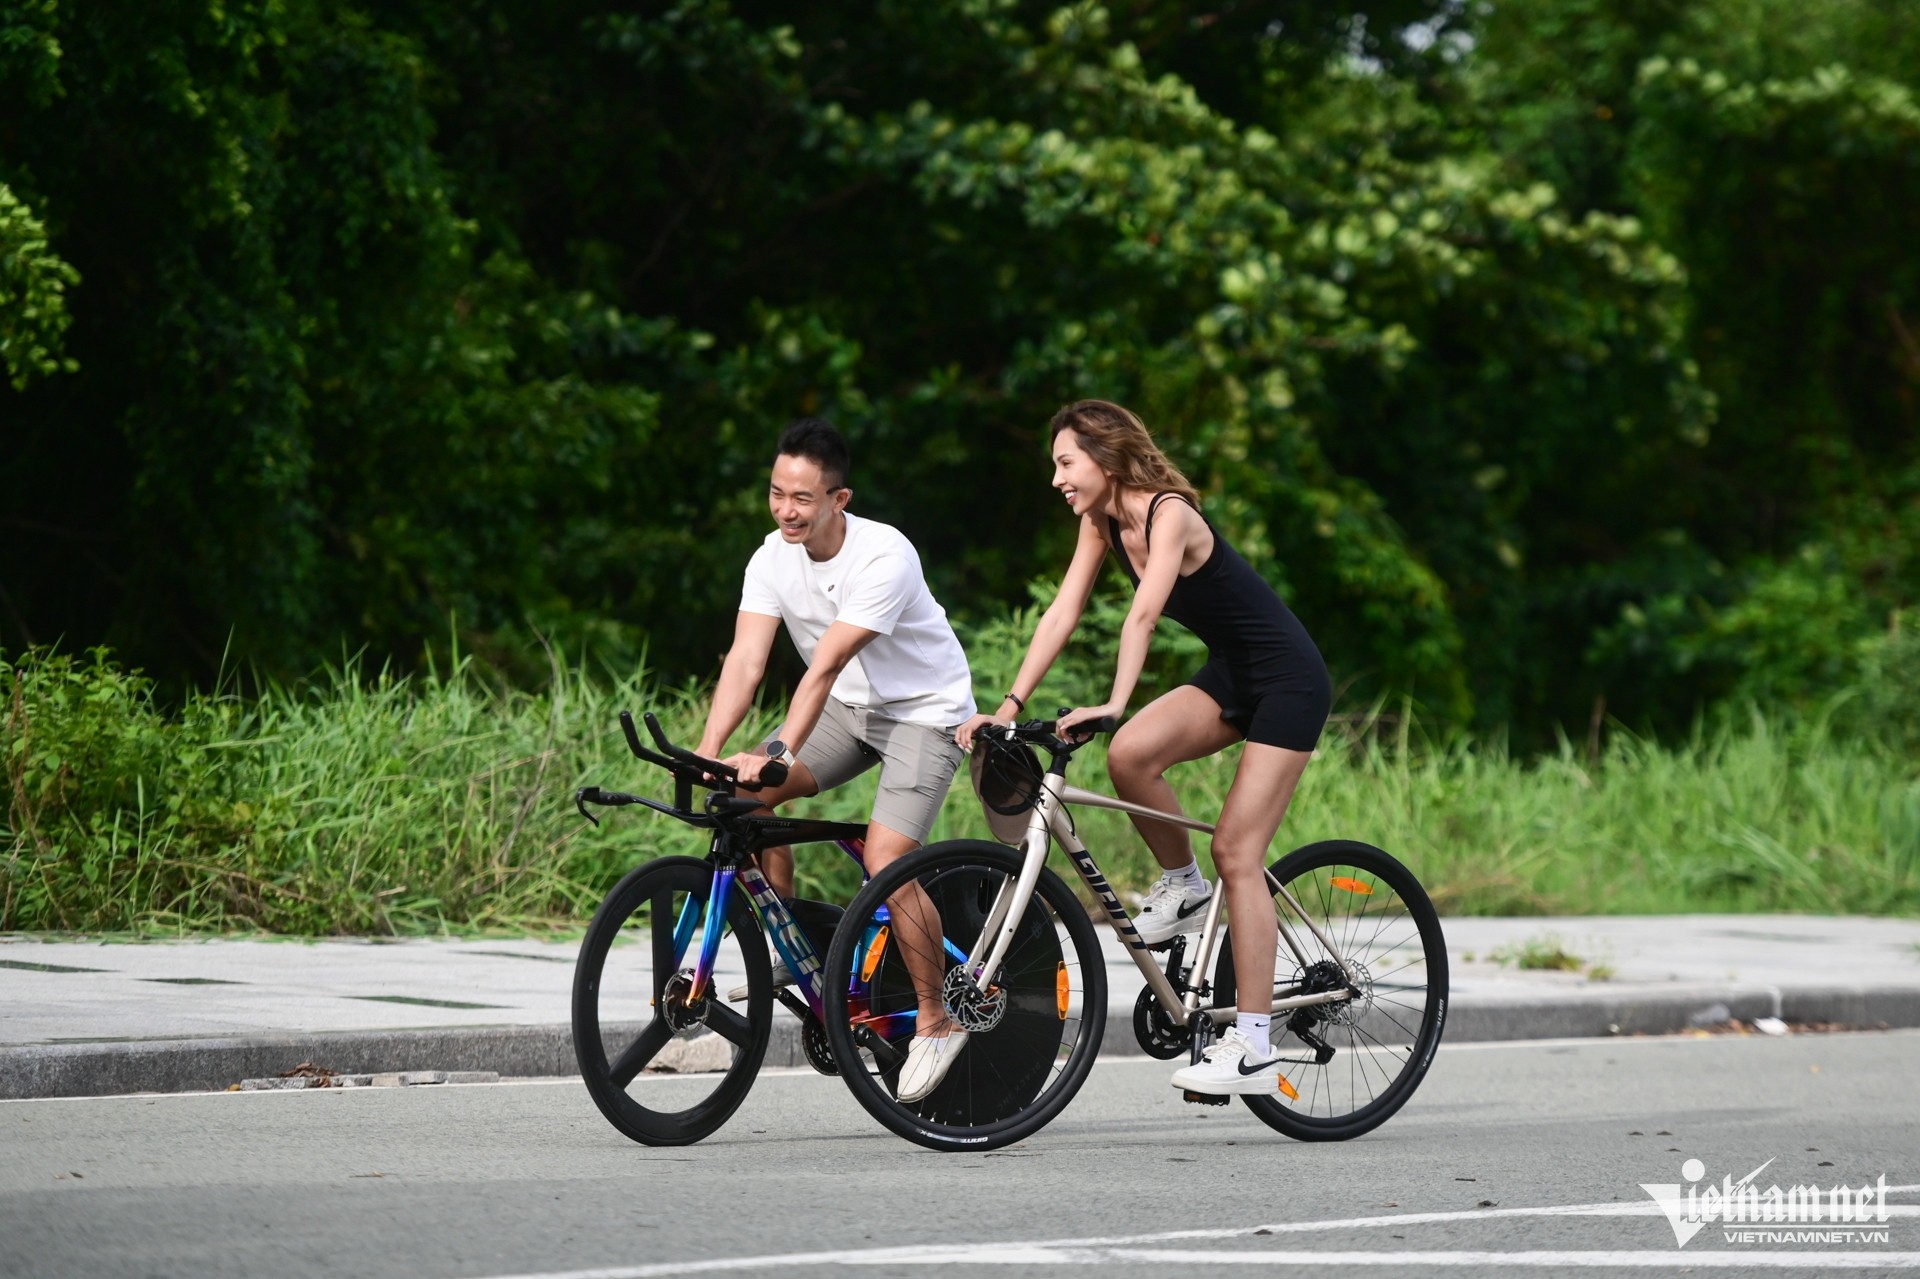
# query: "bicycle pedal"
(1204, 1098)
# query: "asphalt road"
(526, 1179)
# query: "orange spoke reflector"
(1293, 1094)
(1352, 885)
(1060, 990)
(874, 953)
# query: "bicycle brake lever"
(580, 802)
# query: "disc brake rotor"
(676, 1008)
(971, 1008)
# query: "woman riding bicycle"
(1264, 683)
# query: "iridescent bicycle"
(1359, 989)
(668, 1059)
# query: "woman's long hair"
(1119, 444)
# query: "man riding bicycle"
(887, 682)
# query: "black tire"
(1009, 1080)
(625, 1016)
(1382, 920)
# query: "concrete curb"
(212, 1065)
(1590, 1014)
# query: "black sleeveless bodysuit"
(1263, 668)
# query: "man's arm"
(842, 642)
(740, 673)
(837, 647)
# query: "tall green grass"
(364, 803)
(1758, 814)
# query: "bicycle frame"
(1051, 820)
(790, 943)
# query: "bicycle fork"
(715, 918)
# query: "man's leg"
(916, 929)
(831, 757)
(918, 762)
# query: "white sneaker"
(781, 977)
(928, 1060)
(1170, 910)
(1232, 1066)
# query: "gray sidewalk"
(84, 1018)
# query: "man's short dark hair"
(819, 443)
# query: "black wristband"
(1017, 700)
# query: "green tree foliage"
(1776, 152)
(1541, 353)
(33, 283)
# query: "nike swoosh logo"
(1187, 908)
(1257, 1066)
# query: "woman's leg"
(1173, 728)
(1262, 788)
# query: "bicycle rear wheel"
(665, 1067)
(1380, 919)
(1031, 1039)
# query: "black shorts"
(1282, 704)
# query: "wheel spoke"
(665, 962)
(730, 1024)
(1380, 924)
(646, 1045)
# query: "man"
(886, 683)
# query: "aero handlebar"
(688, 769)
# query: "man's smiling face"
(805, 502)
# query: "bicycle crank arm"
(793, 1003)
(884, 1053)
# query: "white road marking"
(1130, 1249)
(1618, 1259)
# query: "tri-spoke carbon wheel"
(667, 1064)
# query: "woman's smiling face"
(1077, 476)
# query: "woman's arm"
(1055, 628)
(1178, 525)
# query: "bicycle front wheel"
(1032, 1033)
(665, 1064)
(1352, 1063)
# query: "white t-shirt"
(914, 670)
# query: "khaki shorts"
(917, 763)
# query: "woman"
(1264, 683)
